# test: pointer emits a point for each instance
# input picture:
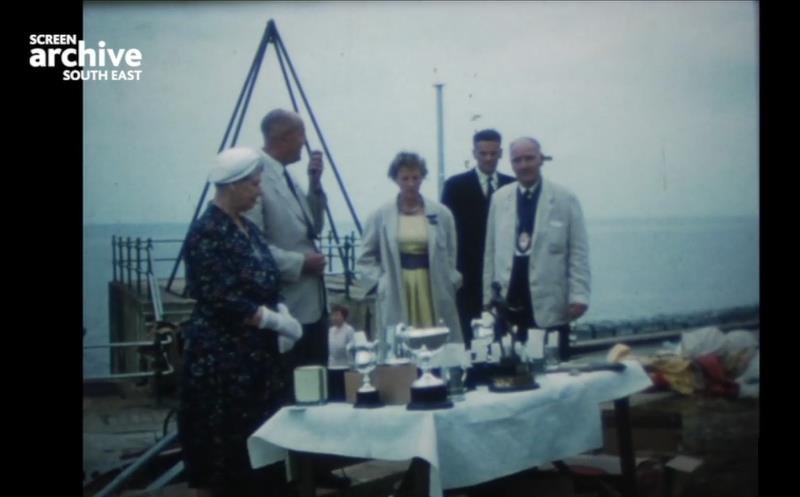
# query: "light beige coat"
(379, 265)
(280, 216)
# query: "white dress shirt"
(484, 180)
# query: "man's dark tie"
(489, 187)
(309, 226)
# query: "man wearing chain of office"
(539, 255)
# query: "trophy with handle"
(427, 391)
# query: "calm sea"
(640, 268)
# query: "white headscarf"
(234, 164)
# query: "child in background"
(340, 335)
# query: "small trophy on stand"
(456, 364)
(512, 374)
(391, 347)
(365, 359)
(480, 347)
(427, 391)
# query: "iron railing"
(134, 261)
(134, 265)
(341, 257)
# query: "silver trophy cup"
(424, 343)
(364, 360)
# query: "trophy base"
(479, 374)
(429, 398)
(517, 383)
(368, 400)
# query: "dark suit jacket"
(462, 194)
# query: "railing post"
(138, 266)
(345, 266)
(130, 268)
(149, 249)
(158, 364)
(114, 257)
(120, 259)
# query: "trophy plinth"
(431, 397)
(427, 391)
(512, 375)
(368, 400)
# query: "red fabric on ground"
(719, 383)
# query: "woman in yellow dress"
(409, 252)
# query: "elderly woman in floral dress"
(234, 376)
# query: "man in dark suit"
(467, 195)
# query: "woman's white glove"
(285, 344)
(282, 322)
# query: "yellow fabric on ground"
(412, 237)
(678, 371)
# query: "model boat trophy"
(364, 357)
(512, 373)
(427, 391)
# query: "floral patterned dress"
(233, 377)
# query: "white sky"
(650, 109)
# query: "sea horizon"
(641, 267)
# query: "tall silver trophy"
(427, 391)
(364, 354)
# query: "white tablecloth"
(486, 436)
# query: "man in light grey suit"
(291, 221)
(537, 249)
